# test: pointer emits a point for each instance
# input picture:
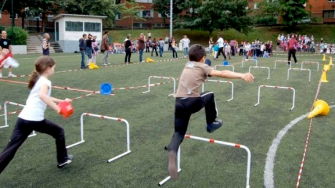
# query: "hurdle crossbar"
(281, 61)
(276, 87)
(11, 113)
(220, 143)
(244, 60)
(102, 117)
(258, 67)
(162, 77)
(222, 81)
(233, 68)
(298, 69)
(311, 62)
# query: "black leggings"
(128, 55)
(184, 108)
(22, 130)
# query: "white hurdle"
(258, 67)
(244, 60)
(102, 117)
(233, 68)
(297, 69)
(311, 62)
(276, 87)
(162, 77)
(216, 142)
(221, 81)
(11, 113)
(281, 61)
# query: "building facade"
(323, 10)
(152, 18)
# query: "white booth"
(69, 28)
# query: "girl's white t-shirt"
(35, 107)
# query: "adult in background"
(6, 44)
(82, 49)
(127, 46)
(89, 49)
(95, 47)
(210, 45)
(174, 48)
(292, 45)
(140, 46)
(46, 44)
(185, 42)
(220, 43)
(161, 43)
(105, 47)
(154, 46)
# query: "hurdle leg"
(178, 166)
(259, 95)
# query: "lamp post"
(171, 14)
(13, 22)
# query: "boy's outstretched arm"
(234, 75)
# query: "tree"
(131, 9)
(163, 7)
(35, 8)
(289, 11)
(97, 7)
(293, 11)
(207, 16)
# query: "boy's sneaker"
(213, 126)
(11, 75)
(172, 168)
(68, 161)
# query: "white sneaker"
(11, 75)
(0, 75)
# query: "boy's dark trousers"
(22, 130)
(221, 51)
(292, 52)
(184, 108)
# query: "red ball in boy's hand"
(66, 109)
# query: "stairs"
(34, 45)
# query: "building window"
(50, 18)
(159, 15)
(10, 16)
(117, 1)
(118, 16)
(92, 27)
(331, 0)
(143, 1)
(328, 14)
(256, 6)
(147, 14)
(0, 14)
(136, 25)
(74, 26)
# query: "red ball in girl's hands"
(66, 109)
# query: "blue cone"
(106, 89)
(225, 63)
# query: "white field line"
(270, 157)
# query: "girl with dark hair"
(32, 116)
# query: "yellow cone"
(330, 61)
(91, 66)
(149, 60)
(324, 57)
(320, 107)
(95, 66)
(326, 67)
(324, 76)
